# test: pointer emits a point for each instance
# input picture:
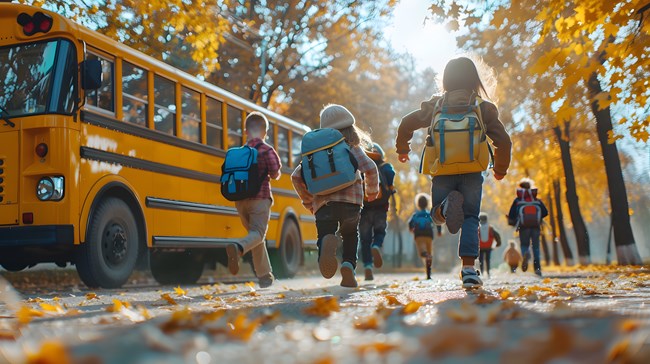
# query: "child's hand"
(403, 157)
(372, 197)
(498, 176)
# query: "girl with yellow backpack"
(462, 129)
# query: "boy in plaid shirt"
(254, 212)
(340, 210)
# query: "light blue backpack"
(327, 164)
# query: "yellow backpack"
(457, 142)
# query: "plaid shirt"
(352, 194)
(267, 160)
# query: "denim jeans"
(526, 237)
(484, 257)
(372, 230)
(344, 217)
(470, 185)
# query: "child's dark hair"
(422, 201)
(256, 120)
(526, 183)
(461, 74)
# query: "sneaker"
(266, 280)
(348, 278)
(234, 253)
(538, 272)
(376, 256)
(453, 211)
(368, 273)
(327, 262)
(470, 277)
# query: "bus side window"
(283, 146)
(103, 97)
(214, 127)
(164, 102)
(191, 114)
(134, 94)
(234, 127)
(296, 143)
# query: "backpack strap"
(441, 130)
(257, 146)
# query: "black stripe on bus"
(162, 203)
(284, 192)
(132, 129)
(114, 158)
(190, 242)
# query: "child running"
(456, 192)
(487, 237)
(421, 225)
(372, 225)
(340, 209)
(254, 212)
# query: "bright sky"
(430, 43)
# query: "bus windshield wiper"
(5, 116)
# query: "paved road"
(584, 316)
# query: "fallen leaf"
(411, 307)
(368, 323)
(50, 352)
(52, 308)
(323, 306)
(484, 299)
(380, 347)
(281, 295)
(241, 328)
(26, 314)
(392, 300)
(180, 292)
(91, 296)
(168, 298)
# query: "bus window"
(191, 114)
(296, 143)
(214, 124)
(283, 146)
(164, 102)
(134, 94)
(234, 127)
(270, 135)
(103, 97)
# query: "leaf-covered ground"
(588, 314)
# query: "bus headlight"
(50, 189)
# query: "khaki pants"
(424, 244)
(254, 215)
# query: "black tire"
(110, 252)
(14, 266)
(286, 259)
(176, 268)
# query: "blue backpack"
(327, 163)
(240, 178)
(422, 224)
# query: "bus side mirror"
(91, 74)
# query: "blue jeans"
(526, 237)
(372, 231)
(470, 185)
(344, 217)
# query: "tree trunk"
(568, 256)
(547, 257)
(626, 250)
(551, 214)
(579, 227)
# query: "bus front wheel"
(176, 267)
(110, 252)
(287, 258)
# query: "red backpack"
(529, 211)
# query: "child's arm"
(300, 187)
(273, 164)
(369, 169)
(500, 138)
(415, 120)
(389, 172)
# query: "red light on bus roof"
(33, 24)
(41, 150)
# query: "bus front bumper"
(43, 235)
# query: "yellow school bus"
(110, 159)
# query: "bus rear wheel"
(14, 266)
(286, 259)
(110, 252)
(176, 268)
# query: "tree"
(590, 49)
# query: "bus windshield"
(38, 78)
